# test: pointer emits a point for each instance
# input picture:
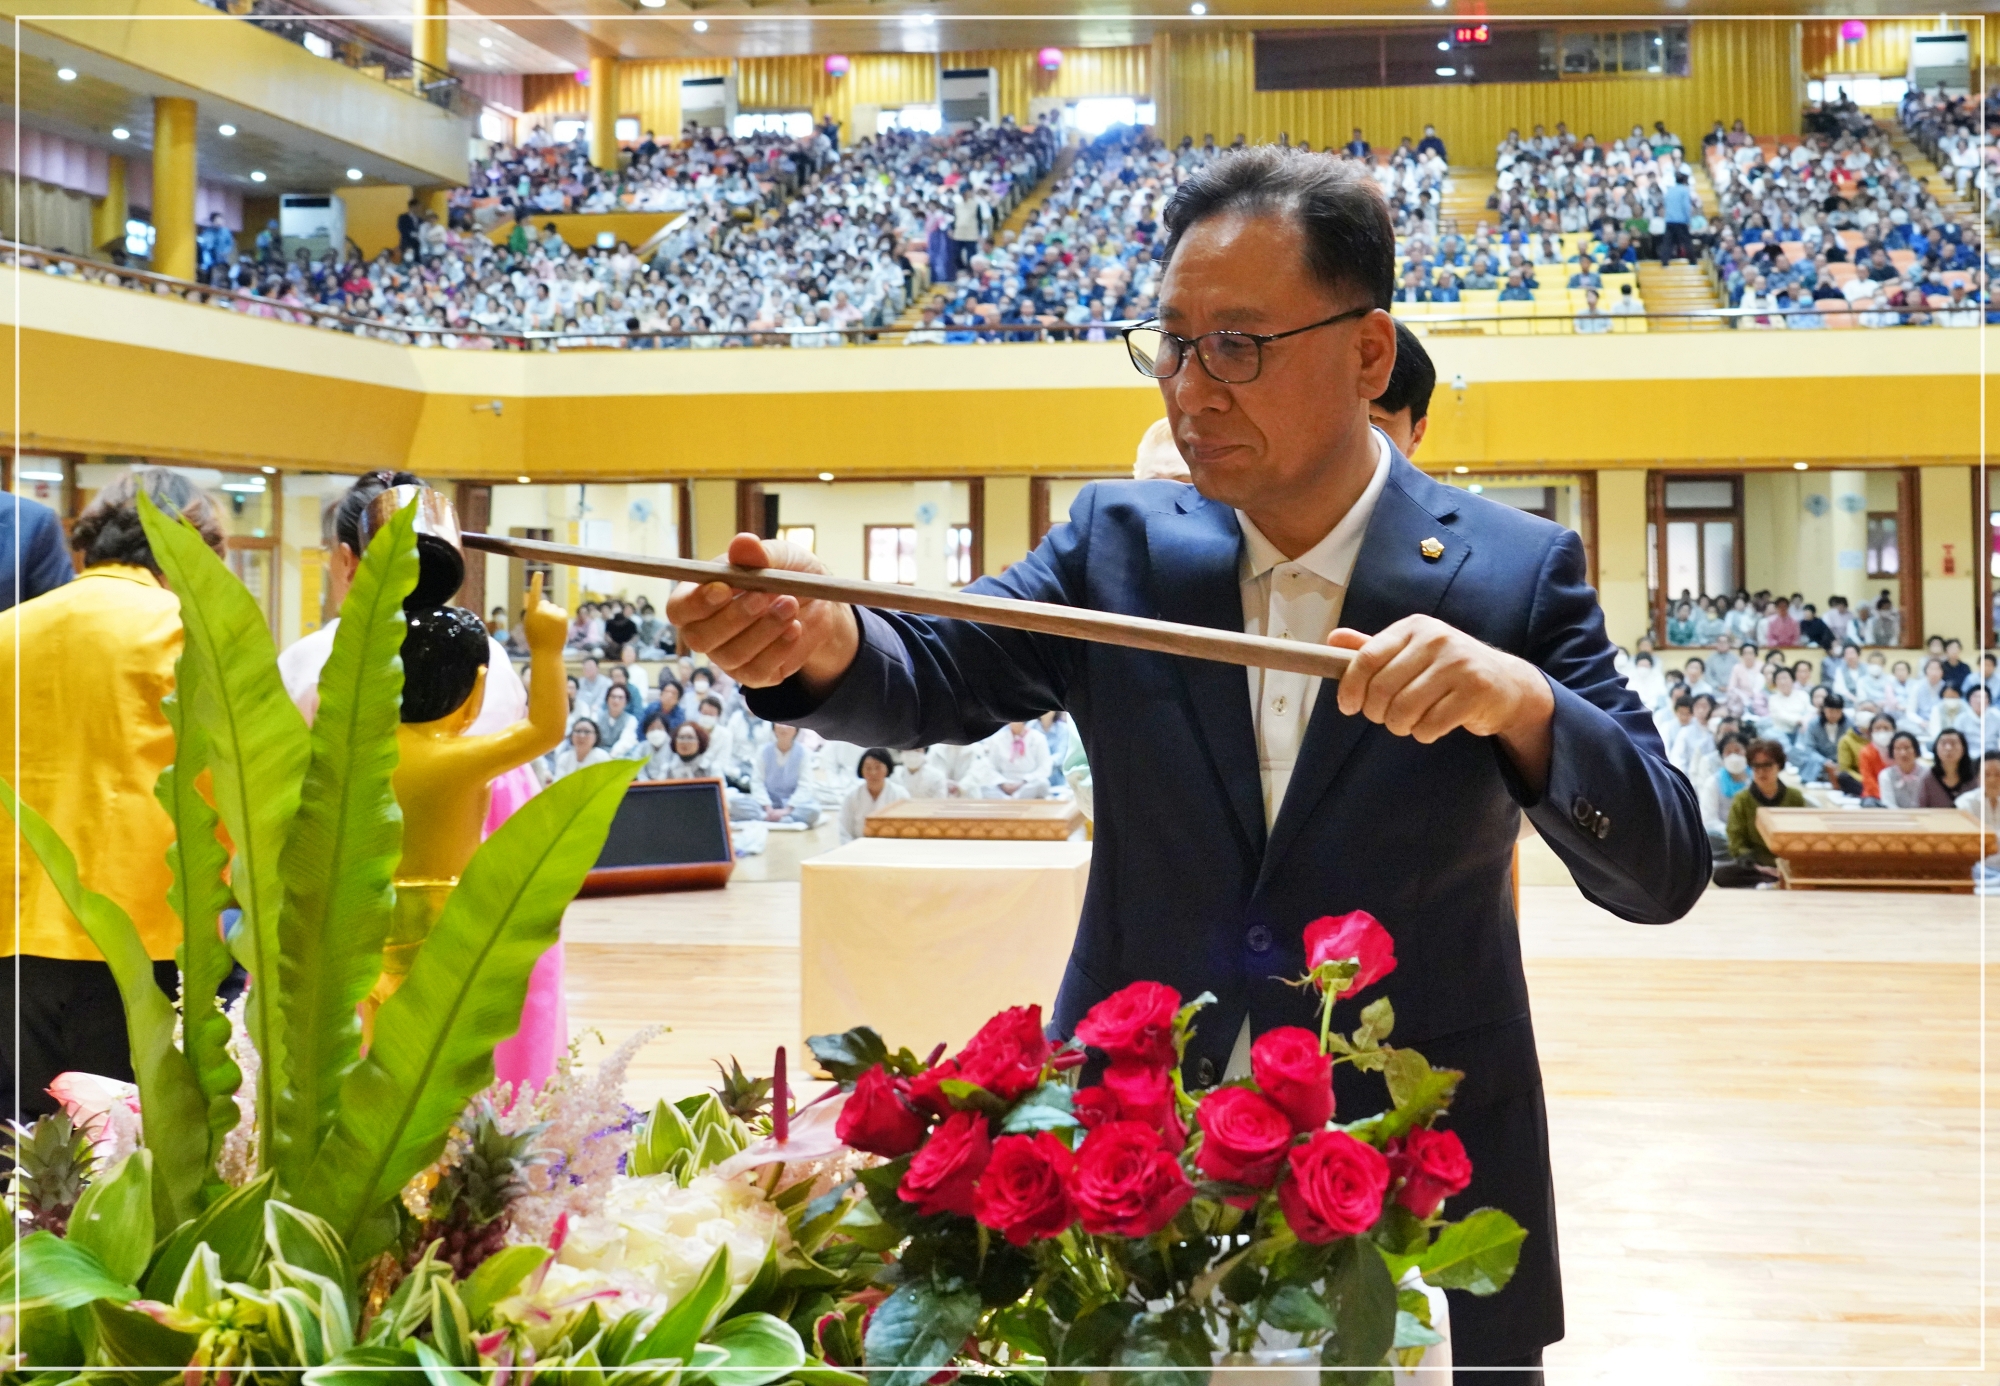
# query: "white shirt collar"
(1332, 559)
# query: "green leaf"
(1412, 1332)
(256, 751)
(366, 1366)
(666, 1134)
(1418, 1091)
(305, 1330)
(201, 1284)
(1400, 1232)
(128, 1338)
(847, 1056)
(1165, 1342)
(1477, 1254)
(1378, 1018)
(233, 1226)
(42, 1271)
(917, 1330)
(451, 1327)
(1092, 1341)
(340, 857)
(197, 860)
(682, 1326)
(173, 1113)
(1296, 1309)
(298, 1239)
(498, 1277)
(1364, 1303)
(434, 1038)
(113, 1220)
(1047, 1108)
(437, 1370)
(761, 1349)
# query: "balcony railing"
(353, 47)
(26, 257)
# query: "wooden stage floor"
(1765, 1120)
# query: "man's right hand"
(759, 638)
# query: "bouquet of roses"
(1027, 1222)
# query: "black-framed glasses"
(1230, 358)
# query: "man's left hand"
(1425, 679)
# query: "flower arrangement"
(1132, 1223)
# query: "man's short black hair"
(1350, 241)
(1413, 379)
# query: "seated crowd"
(1856, 726)
(544, 176)
(1960, 137)
(1836, 222)
(691, 722)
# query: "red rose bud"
(1133, 1025)
(1355, 936)
(1024, 1195)
(1335, 1187)
(1126, 1183)
(941, 1178)
(1243, 1137)
(1145, 1093)
(1007, 1054)
(926, 1091)
(1432, 1165)
(877, 1119)
(1295, 1075)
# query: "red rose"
(1145, 1093)
(877, 1119)
(1335, 1189)
(1295, 1075)
(1127, 1184)
(1093, 1107)
(941, 1178)
(1134, 1025)
(1356, 936)
(1244, 1138)
(925, 1091)
(1007, 1054)
(1024, 1195)
(1432, 1165)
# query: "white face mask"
(657, 737)
(1734, 763)
(1883, 738)
(705, 719)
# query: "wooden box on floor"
(1011, 820)
(1875, 849)
(925, 941)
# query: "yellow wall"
(371, 216)
(1006, 539)
(714, 516)
(582, 231)
(1947, 519)
(1885, 49)
(1740, 69)
(1621, 554)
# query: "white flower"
(652, 1232)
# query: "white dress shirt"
(1297, 599)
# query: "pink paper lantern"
(1050, 59)
(1853, 31)
(837, 65)
(583, 76)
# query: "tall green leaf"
(434, 1038)
(42, 1271)
(257, 752)
(114, 1218)
(340, 860)
(172, 1111)
(199, 895)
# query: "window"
(316, 45)
(927, 119)
(791, 124)
(139, 239)
(892, 554)
(802, 535)
(1862, 90)
(1626, 52)
(1092, 117)
(1695, 540)
(1885, 558)
(567, 130)
(627, 128)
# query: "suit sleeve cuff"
(862, 686)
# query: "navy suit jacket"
(32, 545)
(1187, 887)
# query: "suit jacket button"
(1585, 813)
(1259, 939)
(1204, 1074)
(1602, 827)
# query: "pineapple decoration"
(743, 1097)
(468, 1208)
(53, 1161)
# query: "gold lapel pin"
(1432, 549)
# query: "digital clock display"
(1468, 34)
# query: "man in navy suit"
(34, 556)
(1234, 807)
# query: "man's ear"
(1417, 431)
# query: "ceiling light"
(268, 471)
(354, 175)
(521, 481)
(1476, 489)
(1461, 470)
(225, 130)
(926, 19)
(1437, 4)
(66, 74)
(40, 476)
(1447, 72)
(653, 4)
(1197, 8)
(1444, 46)
(826, 476)
(486, 43)
(257, 175)
(1798, 466)
(120, 133)
(701, 26)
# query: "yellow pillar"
(430, 40)
(604, 113)
(108, 217)
(173, 186)
(436, 201)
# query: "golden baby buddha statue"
(443, 776)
